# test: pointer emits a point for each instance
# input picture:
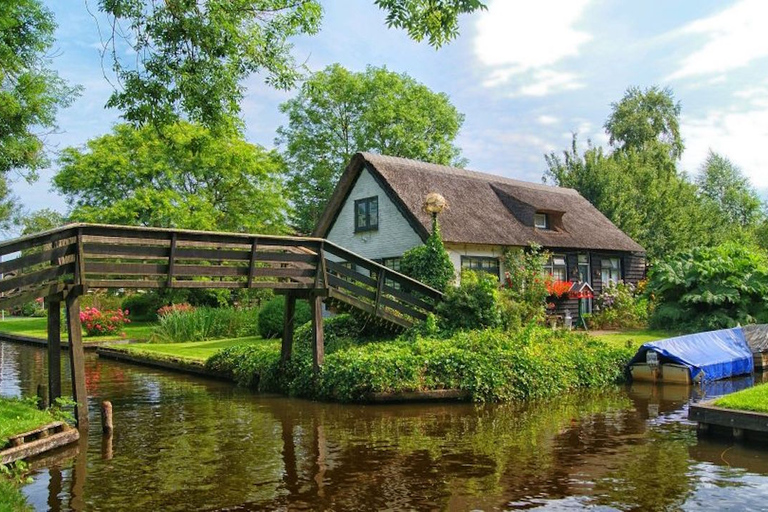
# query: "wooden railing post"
(252, 265)
(80, 265)
(54, 350)
(77, 360)
(288, 324)
(318, 342)
(171, 261)
(382, 276)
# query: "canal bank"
(175, 435)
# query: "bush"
(271, 316)
(710, 288)
(474, 304)
(142, 306)
(429, 263)
(488, 364)
(102, 323)
(525, 288)
(202, 324)
(619, 306)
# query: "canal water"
(184, 443)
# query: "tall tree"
(723, 182)
(338, 112)
(644, 117)
(39, 221)
(186, 178)
(30, 92)
(189, 58)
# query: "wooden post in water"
(318, 343)
(77, 360)
(288, 324)
(106, 417)
(54, 350)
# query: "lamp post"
(434, 203)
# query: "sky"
(525, 74)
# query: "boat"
(694, 358)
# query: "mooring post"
(77, 361)
(54, 350)
(290, 310)
(42, 397)
(106, 417)
(318, 344)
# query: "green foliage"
(488, 364)
(710, 288)
(429, 263)
(30, 91)
(205, 323)
(644, 117)
(338, 112)
(474, 304)
(271, 316)
(619, 306)
(724, 183)
(142, 306)
(39, 221)
(187, 178)
(436, 20)
(524, 295)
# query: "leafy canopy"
(189, 58)
(339, 112)
(723, 183)
(189, 178)
(429, 263)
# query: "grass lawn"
(752, 399)
(632, 339)
(18, 416)
(38, 328)
(194, 351)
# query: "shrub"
(619, 306)
(101, 300)
(202, 324)
(429, 263)
(271, 316)
(102, 323)
(525, 286)
(142, 306)
(710, 288)
(474, 304)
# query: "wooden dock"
(40, 440)
(739, 425)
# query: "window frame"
(369, 225)
(610, 268)
(481, 260)
(550, 266)
(536, 216)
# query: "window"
(557, 268)
(584, 276)
(367, 214)
(541, 220)
(394, 264)
(481, 264)
(610, 270)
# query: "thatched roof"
(482, 208)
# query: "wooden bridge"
(62, 264)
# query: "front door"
(585, 276)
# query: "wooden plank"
(318, 342)
(29, 294)
(334, 281)
(44, 430)
(35, 278)
(96, 250)
(37, 240)
(142, 269)
(288, 325)
(403, 308)
(338, 268)
(45, 444)
(54, 350)
(38, 258)
(252, 262)
(77, 361)
(146, 283)
(172, 261)
(127, 269)
(80, 277)
(368, 308)
(409, 298)
(381, 277)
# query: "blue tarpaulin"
(718, 354)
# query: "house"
(377, 211)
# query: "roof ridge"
(465, 173)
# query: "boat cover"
(714, 354)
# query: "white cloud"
(739, 135)
(522, 42)
(735, 37)
(547, 120)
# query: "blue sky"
(525, 74)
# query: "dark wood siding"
(634, 267)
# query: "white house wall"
(456, 251)
(394, 236)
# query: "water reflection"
(182, 443)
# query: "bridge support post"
(54, 350)
(77, 360)
(318, 342)
(288, 324)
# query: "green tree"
(338, 112)
(645, 116)
(189, 58)
(188, 178)
(723, 182)
(30, 92)
(39, 221)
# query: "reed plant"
(202, 324)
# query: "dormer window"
(541, 220)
